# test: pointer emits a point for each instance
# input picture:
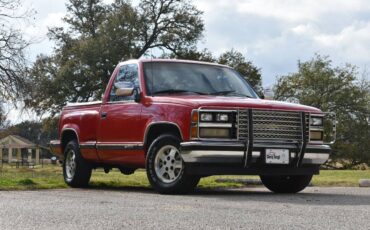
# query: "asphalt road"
(129, 208)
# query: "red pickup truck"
(183, 120)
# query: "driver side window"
(127, 76)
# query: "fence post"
(37, 156)
(10, 155)
(1, 160)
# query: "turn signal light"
(194, 117)
(194, 124)
(194, 132)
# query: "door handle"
(103, 115)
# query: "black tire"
(286, 184)
(183, 183)
(82, 170)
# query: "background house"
(14, 148)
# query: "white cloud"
(358, 32)
(304, 29)
(352, 42)
(294, 10)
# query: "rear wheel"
(76, 170)
(286, 184)
(165, 168)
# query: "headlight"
(213, 124)
(206, 117)
(222, 117)
(316, 121)
(214, 117)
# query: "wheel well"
(158, 129)
(67, 136)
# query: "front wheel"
(286, 184)
(76, 170)
(166, 169)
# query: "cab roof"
(132, 61)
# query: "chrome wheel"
(70, 164)
(168, 164)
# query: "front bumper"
(235, 158)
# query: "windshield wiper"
(171, 91)
(227, 92)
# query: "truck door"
(118, 135)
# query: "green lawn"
(50, 176)
(340, 178)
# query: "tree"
(12, 46)
(2, 117)
(98, 38)
(169, 24)
(250, 72)
(333, 89)
(84, 17)
(191, 53)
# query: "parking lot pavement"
(141, 208)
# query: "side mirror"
(124, 89)
(137, 95)
(268, 94)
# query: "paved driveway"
(129, 208)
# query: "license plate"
(277, 156)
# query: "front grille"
(243, 124)
(272, 125)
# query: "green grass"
(341, 178)
(50, 177)
(46, 177)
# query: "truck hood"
(210, 102)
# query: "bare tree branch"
(12, 46)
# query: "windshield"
(172, 77)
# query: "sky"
(274, 35)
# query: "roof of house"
(15, 141)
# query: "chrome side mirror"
(268, 94)
(124, 89)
